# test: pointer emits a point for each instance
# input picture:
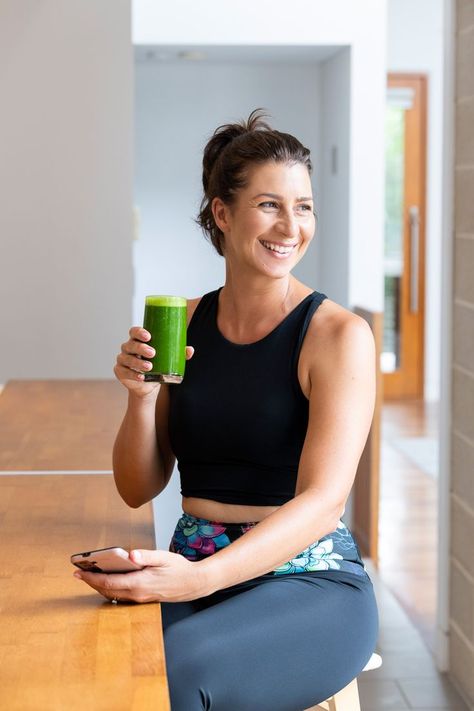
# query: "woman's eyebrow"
(279, 197)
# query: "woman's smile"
(279, 250)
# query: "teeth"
(278, 248)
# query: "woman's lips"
(277, 249)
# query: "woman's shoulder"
(334, 328)
(331, 318)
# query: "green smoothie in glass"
(165, 319)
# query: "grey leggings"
(273, 643)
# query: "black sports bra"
(238, 421)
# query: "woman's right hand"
(132, 363)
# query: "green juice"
(165, 320)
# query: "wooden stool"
(347, 699)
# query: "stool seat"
(374, 662)
(347, 699)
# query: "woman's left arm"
(341, 405)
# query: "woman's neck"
(248, 306)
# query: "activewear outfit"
(292, 637)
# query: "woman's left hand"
(167, 577)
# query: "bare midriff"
(227, 513)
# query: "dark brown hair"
(232, 149)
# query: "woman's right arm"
(142, 457)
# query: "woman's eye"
(271, 204)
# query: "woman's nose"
(287, 224)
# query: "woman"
(266, 603)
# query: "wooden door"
(404, 248)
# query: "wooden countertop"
(60, 424)
(62, 646)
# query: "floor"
(408, 515)
(405, 583)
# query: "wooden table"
(60, 424)
(62, 646)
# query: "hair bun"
(224, 135)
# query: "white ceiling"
(234, 53)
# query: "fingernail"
(137, 556)
(77, 575)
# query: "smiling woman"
(267, 428)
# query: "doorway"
(402, 355)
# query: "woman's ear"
(221, 214)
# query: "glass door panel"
(401, 357)
(397, 103)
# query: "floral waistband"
(197, 538)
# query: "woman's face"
(270, 224)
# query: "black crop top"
(238, 421)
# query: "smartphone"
(105, 560)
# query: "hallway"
(405, 583)
(408, 513)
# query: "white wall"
(335, 155)
(414, 44)
(177, 109)
(66, 184)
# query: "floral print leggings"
(196, 538)
(283, 641)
